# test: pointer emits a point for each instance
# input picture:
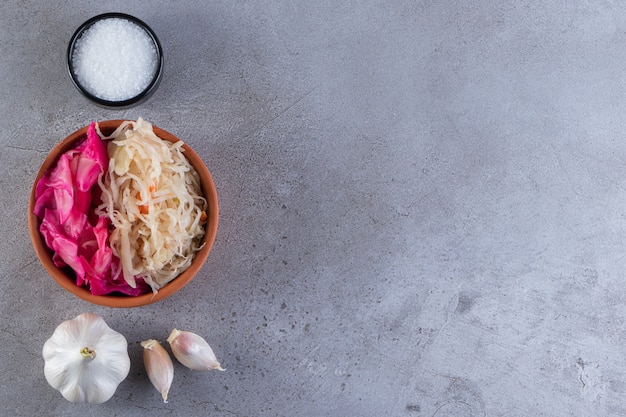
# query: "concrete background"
(422, 206)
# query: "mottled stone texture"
(422, 206)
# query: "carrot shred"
(143, 209)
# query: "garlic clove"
(193, 351)
(159, 366)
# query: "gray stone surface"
(422, 206)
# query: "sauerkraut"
(153, 198)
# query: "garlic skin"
(193, 351)
(159, 366)
(85, 359)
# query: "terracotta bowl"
(66, 279)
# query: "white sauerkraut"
(154, 199)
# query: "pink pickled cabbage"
(79, 238)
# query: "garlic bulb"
(193, 351)
(85, 359)
(159, 366)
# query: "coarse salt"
(115, 59)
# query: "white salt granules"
(115, 59)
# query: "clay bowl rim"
(124, 301)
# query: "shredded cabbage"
(153, 198)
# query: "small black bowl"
(147, 92)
